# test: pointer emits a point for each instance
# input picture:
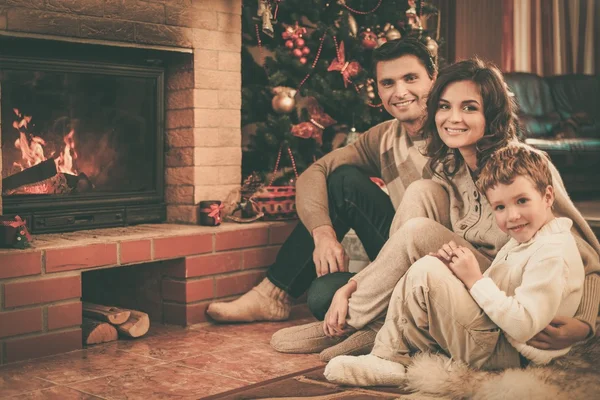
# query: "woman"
(470, 114)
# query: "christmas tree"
(307, 77)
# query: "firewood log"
(114, 315)
(97, 332)
(137, 325)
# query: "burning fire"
(32, 148)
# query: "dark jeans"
(354, 202)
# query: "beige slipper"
(359, 343)
(303, 339)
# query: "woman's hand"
(334, 323)
(561, 333)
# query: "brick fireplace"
(185, 266)
(202, 40)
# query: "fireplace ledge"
(112, 247)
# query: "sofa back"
(577, 97)
(537, 111)
(548, 105)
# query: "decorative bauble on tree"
(264, 11)
(432, 46)
(392, 33)
(412, 17)
(295, 42)
(368, 39)
(283, 102)
(352, 25)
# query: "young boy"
(536, 276)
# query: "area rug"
(310, 385)
(575, 376)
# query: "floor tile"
(252, 332)
(13, 381)
(82, 365)
(252, 362)
(177, 345)
(56, 393)
(171, 381)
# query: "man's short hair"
(515, 159)
(394, 49)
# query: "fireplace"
(82, 143)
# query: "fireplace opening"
(82, 143)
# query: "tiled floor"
(168, 363)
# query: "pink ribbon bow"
(348, 69)
(18, 223)
(317, 123)
(216, 212)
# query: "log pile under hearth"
(105, 324)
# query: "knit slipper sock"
(368, 370)
(359, 343)
(265, 302)
(303, 339)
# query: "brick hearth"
(40, 288)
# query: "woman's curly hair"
(499, 109)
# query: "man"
(335, 194)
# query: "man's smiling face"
(403, 86)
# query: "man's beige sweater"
(385, 151)
(388, 152)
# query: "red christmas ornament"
(303, 60)
(347, 69)
(289, 44)
(300, 42)
(305, 51)
(368, 39)
(297, 53)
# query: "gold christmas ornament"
(392, 34)
(283, 102)
(352, 25)
(264, 11)
(432, 46)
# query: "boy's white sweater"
(530, 283)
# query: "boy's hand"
(463, 264)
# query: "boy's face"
(403, 86)
(520, 209)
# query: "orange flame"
(32, 148)
(64, 162)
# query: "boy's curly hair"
(512, 160)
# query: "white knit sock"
(368, 370)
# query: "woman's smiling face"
(459, 118)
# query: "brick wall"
(203, 136)
(180, 269)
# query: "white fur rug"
(575, 376)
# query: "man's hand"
(334, 323)
(329, 255)
(561, 333)
(461, 261)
